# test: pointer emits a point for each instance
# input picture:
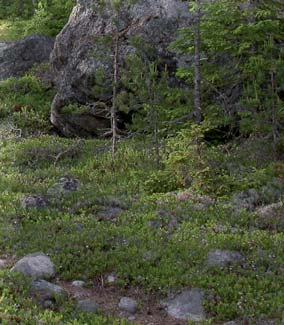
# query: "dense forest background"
(43, 17)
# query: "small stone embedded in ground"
(64, 186)
(2, 264)
(187, 306)
(113, 201)
(163, 214)
(247, 200)
(34, 201)
(265, 322)
(221, 258)
(164, 220)
(88, 306)
(111, 279)
(47, 304)
(173, 224)
(128, 305)
(273, 191)
(148, 256)
(78, 283)
(109, 214)
(43, 291)
(200, 202)
(270, 210)
(35, 266)
(184, 196)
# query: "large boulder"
(83, 50)
(17, 58)
(35, 266)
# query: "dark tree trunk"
(197, 68)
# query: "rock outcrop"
(17, 58)
(82, 51)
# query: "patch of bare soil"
(150, 311)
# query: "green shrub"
(26, 103)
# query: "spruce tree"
(242, 65)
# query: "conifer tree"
(242, 64)
(197, 69)
(120, 10)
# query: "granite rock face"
(81, 52)
(17, 58)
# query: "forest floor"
(125, 219)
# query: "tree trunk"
(197, 68)
(114, 93)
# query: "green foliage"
(142, 246)
(241, 50)
(25, 102)
(50, 17)
(20, 18)
(16, 9)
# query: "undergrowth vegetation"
(157, 243)
(22, 18)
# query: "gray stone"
(270, 210)
(111, 279)
(149, 255)
(128, 304)
(267, 322)
(113, 201)
(2, 264)
(247, 200)
(221, 258)
(17, 58)
(273, 191)
(77, 57)
(78, 283)
(44, 291)
(35, 266)
(47, 304)
(187, 306)
(109, 214)
(64, 186)
(88, 306)
(200, 202)
(34, 201)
